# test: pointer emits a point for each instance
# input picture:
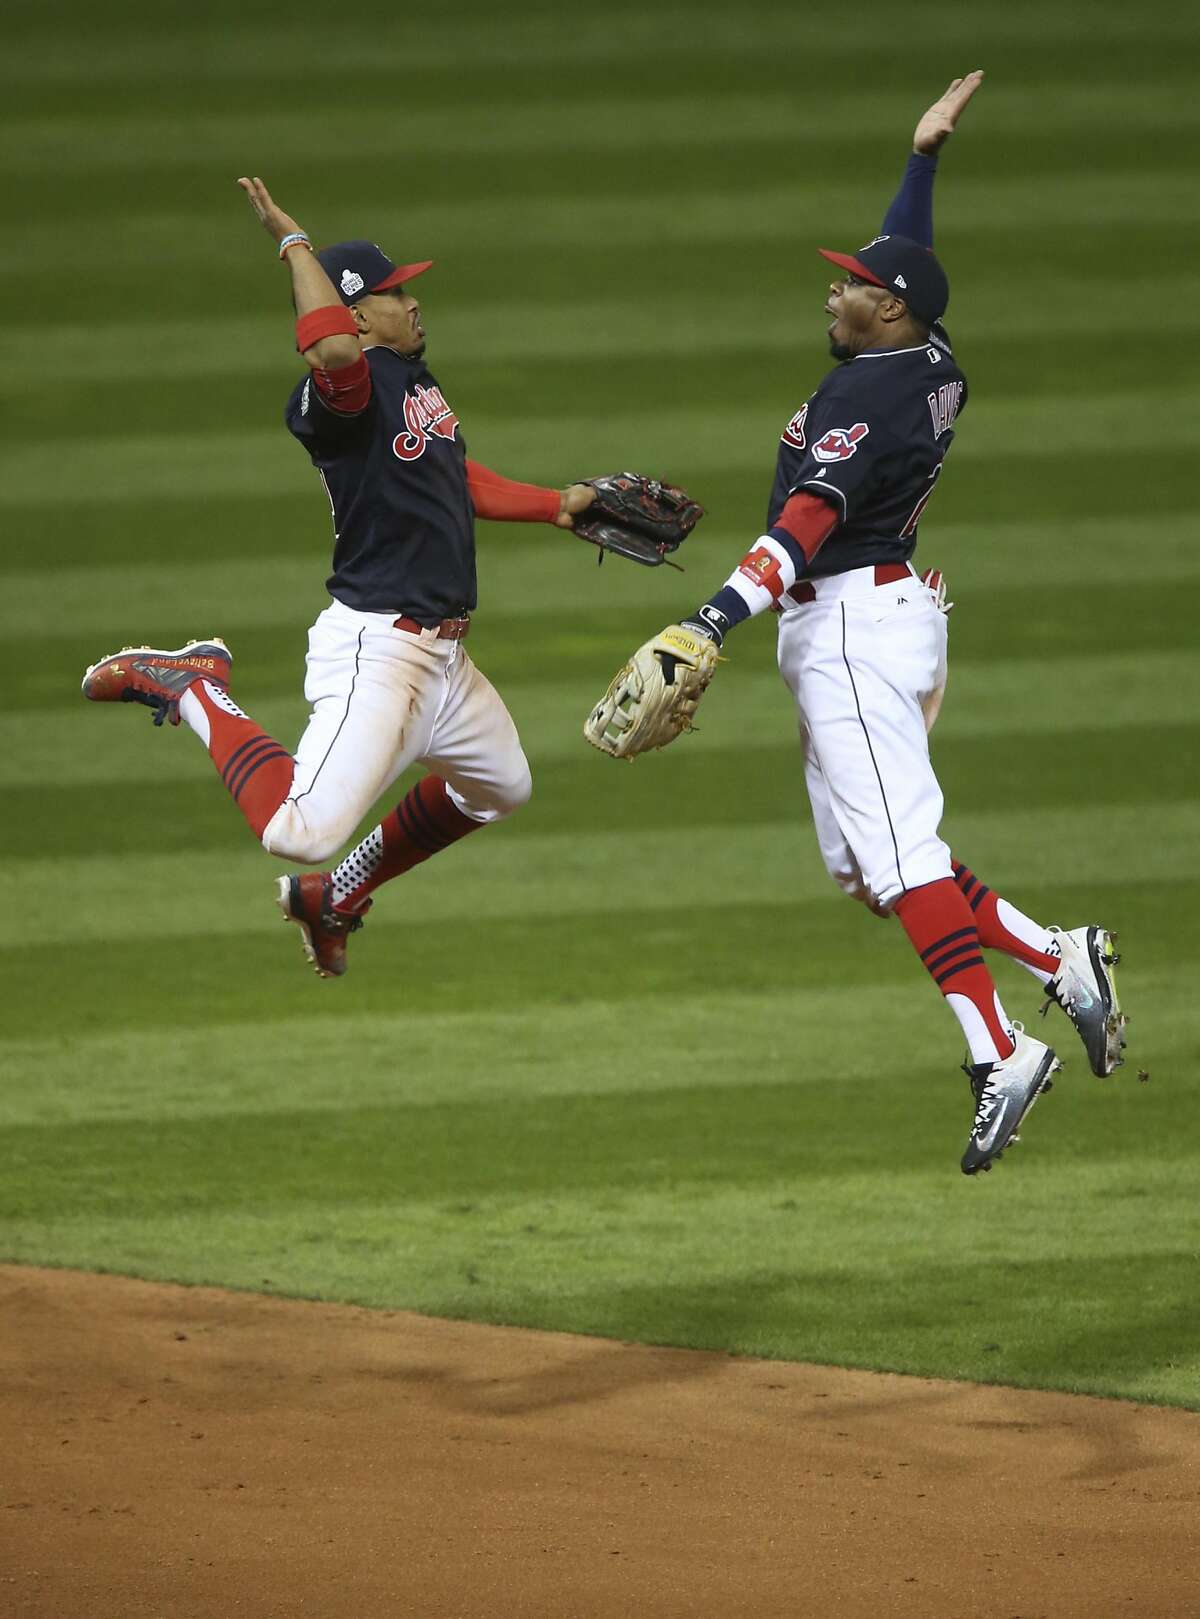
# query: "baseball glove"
(637, 517)
(652, 699)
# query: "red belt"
(450, 629)
(886, 573)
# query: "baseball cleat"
(1004, 1093)
(1085, 987)
(308, 901)
(146, 674)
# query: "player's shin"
(254, 767)
(941, 927)
(424, 823)
(1002, 927)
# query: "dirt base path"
(193, 1454)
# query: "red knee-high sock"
(940, 925)
(424, 823)
(253, 766)
(996, 919)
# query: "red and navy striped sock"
(253, 766)
(942, 929)
(422, 824)
(1002, 927)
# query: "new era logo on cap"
(358, 267)
(904, 266)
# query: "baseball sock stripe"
(242, 749)
(263, 759)
(236, 778)
(408, 826)
(940, 926)
(422, 817)
(962, 933)
(960, 966)
(936, 963)
(1002, 927)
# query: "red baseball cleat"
(145, 674)
(308, 901)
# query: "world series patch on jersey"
(871, 442)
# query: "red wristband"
(331, 321)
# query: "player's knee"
(519, 790)
(289, 837)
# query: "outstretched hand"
(572, 500)
(274, 221)
(937, 125)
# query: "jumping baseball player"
(862, 648)
(388, 677)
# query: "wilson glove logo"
(840, 443)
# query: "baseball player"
(388, 676)
(862, 648)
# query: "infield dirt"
(185, 1452)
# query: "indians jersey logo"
(425, 412)
(793, 433)
(840, 443)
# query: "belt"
(450, 629)
(886, 573)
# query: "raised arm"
(911, 211)
(325, 329)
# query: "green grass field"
(556, 1088)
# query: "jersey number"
(911, 526)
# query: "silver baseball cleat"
(1085, 987)
(1004, 1093)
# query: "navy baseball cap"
(905, 268)
(358, 267)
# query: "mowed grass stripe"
(259, 460)
(35, 146)
(169, 1073)
(585, 794)
(503, 874)
(155, 1074)
(579, 642)
(472, 333)
(625, 35)
(527, 566)
(582, 389)
(637, 1139)
(75, 747)
(214, 237)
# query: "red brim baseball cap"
(359, 267)
(902, 266)
(401, 274)
(847, 261)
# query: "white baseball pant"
(864, 662)
(383, 699)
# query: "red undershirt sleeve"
(505, 501)
(807, 520)
(346, 390)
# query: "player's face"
(393, 319)
(854, 306)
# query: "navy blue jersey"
(395, 473)
(871, 441)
